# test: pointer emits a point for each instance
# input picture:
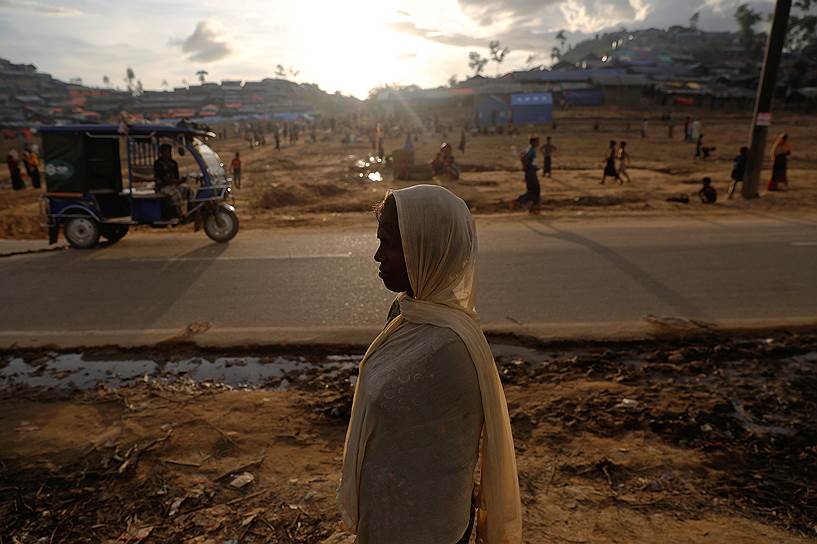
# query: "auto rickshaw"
(92, 192)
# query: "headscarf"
(440, 247)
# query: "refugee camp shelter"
(584, 97)
(531, 108)
(492, 111)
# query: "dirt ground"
(309, 184)
(698, 440)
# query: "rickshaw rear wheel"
(221, 225)
(113, 233)
(82, 232)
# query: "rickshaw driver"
(168, 182)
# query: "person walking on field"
(623, 162)
(610, 164)
(780, 157)
(532, 195)
(428, 405)
(738, 170)
(236, 166)
(462, 140)
(547, 152)
(13, 163)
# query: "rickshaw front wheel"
(82, 232)
(221, 225)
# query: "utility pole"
(765, 95)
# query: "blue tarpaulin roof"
(532, 99)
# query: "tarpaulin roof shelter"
(532, 108)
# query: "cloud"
(590, 16)
(33, 6)
(516, 39)
(204, 44)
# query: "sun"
(349, 46)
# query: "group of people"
(30, 163)
(616, 162)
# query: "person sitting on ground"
(412, 445)
(708, 194)
(168, 182)
(444, 163)
(738, 169)
(701, 151)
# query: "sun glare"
(348, 46)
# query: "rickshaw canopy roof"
(133, 130)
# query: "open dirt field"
(316, 185)
(708, 439)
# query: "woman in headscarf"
(427, 391)
(780, 157)
(610, 165)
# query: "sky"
(349, 46)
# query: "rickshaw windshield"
(211, 160)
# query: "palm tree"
(202, 75)
(561, 37)
(476, 62)
(280, 71)
(498, 53)
(106, 81)
(129, 77)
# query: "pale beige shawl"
(440, 247)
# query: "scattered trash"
(242, 480)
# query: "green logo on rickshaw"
(59, 170)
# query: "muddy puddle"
(83, 371)
(77, 371)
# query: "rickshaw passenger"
(168, 181)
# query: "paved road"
(304, 285)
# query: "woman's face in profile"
(390, 252)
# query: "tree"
(165, 83)
(293, 72)
(498, 53)
(802, 32)
(139, 89)
(693, 21)
(530, 61)
(129, 77)
(452, 81)
(106, 81)
(202, 75)
(555, 55)
(747, 18)
(476, 62)
(280, 71)
(561, 37)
